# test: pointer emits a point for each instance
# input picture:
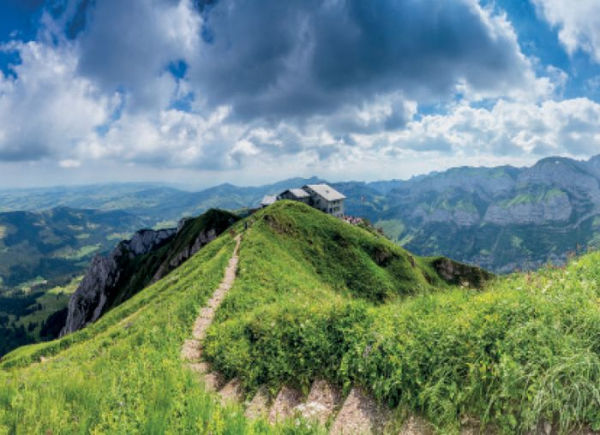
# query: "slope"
(313, 300)
(147, 257)
(123, 374)
(317, 298)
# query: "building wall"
(335, 208)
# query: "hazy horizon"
(199, 187)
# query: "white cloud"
(69, 163)
(578, 22)
(567, 127)
(337, 92)
(48, 108)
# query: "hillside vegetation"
(310, 301)
(318, 298)
(123, 374)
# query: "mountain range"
(502, 218)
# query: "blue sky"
(246, 91)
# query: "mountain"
(315, 300)
(45, 246)
(155, 205)
(147, 257)
(501, 218)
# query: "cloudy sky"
(249, 91)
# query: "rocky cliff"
(147, 257)
(102, 279)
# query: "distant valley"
(42, 254)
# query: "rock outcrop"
(102, 279)
(461, 274)
(133, 264)
(554, 208)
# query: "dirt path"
(356, 414)
(192, 349)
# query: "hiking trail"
(358, 413)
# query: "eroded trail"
(192, 348)
(358, 413)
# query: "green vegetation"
(81, 253)
(138, 272)
(33, 316)
(393, 228)
(310, 302)
(124, 374)
(42, 251)
(316, 297)
(533, 198)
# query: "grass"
(48, 303)
(527, 198)
(393, 228)
(80, 253)
(124, 374)
(318, 298)
(523, 351)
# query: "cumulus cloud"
(302, 57)
(230, 86)
(508, 128)
(578, 23)
(47, 108)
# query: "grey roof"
(326, 191)
(298, 193)
(268, 200)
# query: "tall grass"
(523, 352)
(124, 374)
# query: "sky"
(198, 92)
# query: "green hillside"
(315, 297)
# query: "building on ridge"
(295, 195)
(326, 199)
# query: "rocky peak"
(144, 241)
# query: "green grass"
(523, 351)
(53, 300)
(393, 228)
(124, 374)
(78, 254)
(318, 298)
(527, 198)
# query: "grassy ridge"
(123, 374)
(305, 289)
(315, 298)
(524, 351)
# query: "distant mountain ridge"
(501, 218)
